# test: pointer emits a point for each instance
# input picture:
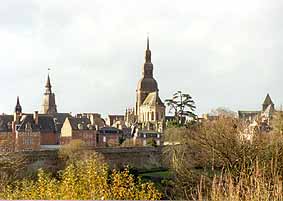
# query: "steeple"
(49, 105)
(18, 108)
(267, 101)
(148, 52)
(147, 83)
(48, 85)
(148, 66)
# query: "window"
(104, 138)
(27, 141)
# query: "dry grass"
(227, 168)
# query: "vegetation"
(183, 106)
(212, 162)
(88, 179)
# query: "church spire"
(147, 42)
(48, 85)
(49, 105)
(148, 52)
(267, 101)
(18, 108)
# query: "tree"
(83, 180)
(277, 122)
(182, 105)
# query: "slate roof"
(247, 114)
(6, 123)
(110, 130)
(79, 123)
(59, 119)
(27, 121)
(153, 99)
(46, 123)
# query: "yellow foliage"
(82, 180)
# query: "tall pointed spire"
(267, 101)
(18, 108)
(48, 85)
(49, 105)
(147, 42)
(147, 52)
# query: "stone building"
(145, 138)
(267, 107)
(258, 121)
(78, 128)
(27, 133)
(114, 119)
(48, 105)
(149, 110)
(6, 134)
(109, 136)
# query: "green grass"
(160, 174)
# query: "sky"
(223, 53)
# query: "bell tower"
(147, 83)
(48, 105)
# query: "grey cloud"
(225, 53)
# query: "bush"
(214, 153)
(82, 180)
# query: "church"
(149, 111)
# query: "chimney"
(92, 119)
(35, 117)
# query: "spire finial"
(18, 108)
(147, 41)
(147, 52)
(48, 84)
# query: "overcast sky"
(223, 53)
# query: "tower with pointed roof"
(267, 101)
(150, 110)
(48, 105)
(147, 83)
(18, 108)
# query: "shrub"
(82, 180)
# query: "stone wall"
(142, 158)
(136, 157)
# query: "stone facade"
(27, 140)
(109, 136)
(78, 129)
(48, 105)
(258, 121)
(267, 107)
(6, 133)
(150, 110)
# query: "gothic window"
(152, 116)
